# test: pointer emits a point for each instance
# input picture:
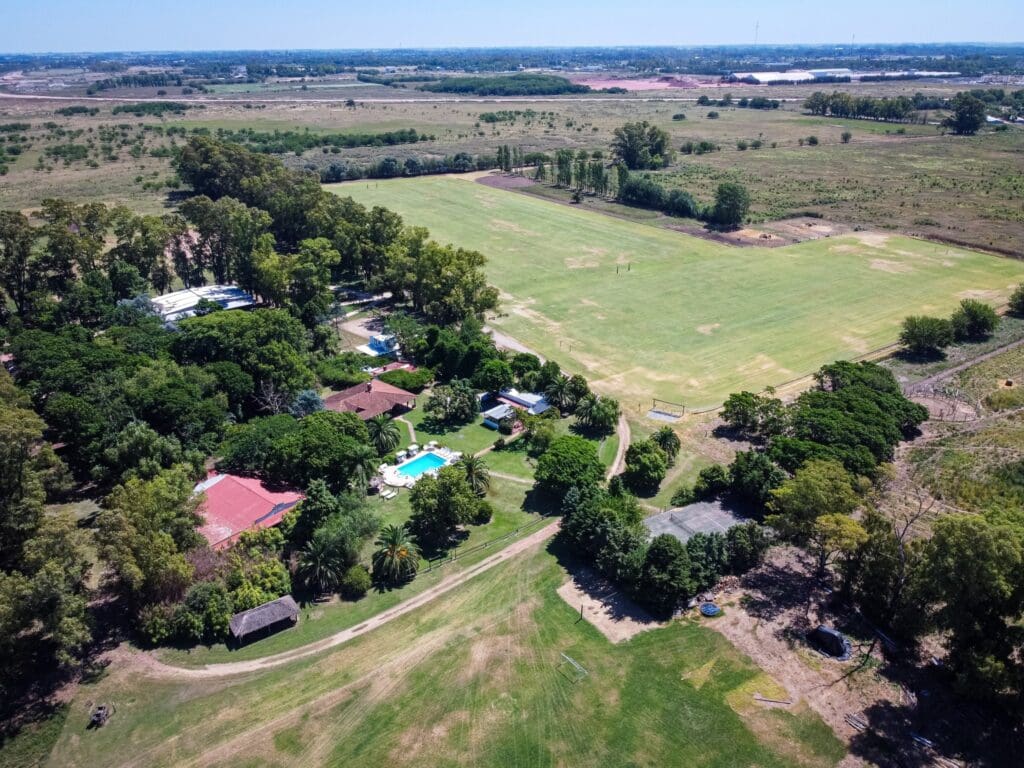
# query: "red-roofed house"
(236, 504)
(371, 399)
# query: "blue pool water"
(425, 462)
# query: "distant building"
(371, 399)
(820, 74)
(178, 305)
(236, 504)
(765, 78)
(380, 346)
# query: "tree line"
(521, 84)
(897, 109)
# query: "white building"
(178, 305)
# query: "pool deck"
(394, 476)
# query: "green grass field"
(470, 680)
(645, 312)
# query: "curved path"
(157, 668)
(625, 436)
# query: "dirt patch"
(581, 262)
(364, 327)
(501, 181)
(896, 267)
(766, 616)
(873, 239)
(946, 408)
(510, 226)
(707, 330)
(616, 616)
(992, 295)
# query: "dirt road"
(625, 436)
(504, 341)
(150, 665)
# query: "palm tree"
(477, 474)
(667, 439)
(384, 433)
(322, 562)
(364, 466)
(587, 408)
(560, 394)
(397, 557)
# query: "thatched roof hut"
(268, 617)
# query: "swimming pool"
(425, 462)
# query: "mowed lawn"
(469, 680)
(645, 312)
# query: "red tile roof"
(235, 504)
(370, 399)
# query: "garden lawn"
(469, 680)
(468, 438)
(645, 312)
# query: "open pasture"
(470, 680)
(645, 312)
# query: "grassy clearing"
(471, 680)
(644, 312)
(995, 383)
(31, 746)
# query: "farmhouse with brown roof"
(371, 399)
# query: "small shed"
(831, 642)
(493, 417)
(264, 619)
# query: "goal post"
(668, 407)
(572, 669)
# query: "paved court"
(702, 517)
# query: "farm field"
(470, 680)
(645, 312)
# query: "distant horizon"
(43, 27)
(510, 47)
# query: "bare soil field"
(602, 604)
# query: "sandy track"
(625, 436)
(156, 668)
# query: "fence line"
(441, 560)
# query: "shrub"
(846, 136)
(639, 190)
(682, 496)
(646, 465)
(413, 381)
(569, 461)
(344, 370)
(812, 141)
(712, 115)
(974, 321)
(681, 203)
(678, 116)
(711, 481)
(926, 336)
(356, 582)
(1017, 301)
(483, 513)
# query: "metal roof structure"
(178, 305)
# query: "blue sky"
(103, 25)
